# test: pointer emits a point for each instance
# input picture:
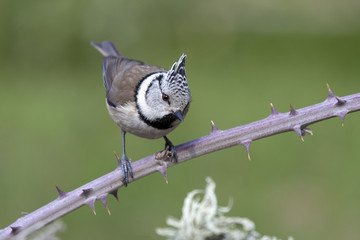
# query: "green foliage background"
(242, 55)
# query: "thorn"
(297, 129)
(246, 144)
(93, 209)
(103, 199)
(306, 131)
(340, 102)
(273, 110)
(293, 112)
(162, 169)
(108, 210)
(115, 194)
(342, 116)
(86, 192)
(14, 230)
(61, 193)
(91, 203)
(213, 127)
(331, 94)
(118, 159)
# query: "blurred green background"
(242, 55)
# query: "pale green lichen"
(203, 219)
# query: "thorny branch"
(100, 188)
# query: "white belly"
(127, 118)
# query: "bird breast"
(128, 119)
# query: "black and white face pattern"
(160, 95)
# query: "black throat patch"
(165, 122)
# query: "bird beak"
(179, 115)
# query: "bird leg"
(170, 148)
(125, 163)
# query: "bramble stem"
(100, 188)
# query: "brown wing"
(121, 75)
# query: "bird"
(142, 99)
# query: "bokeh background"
(242, 55)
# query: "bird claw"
(126, 170)
(170, 151)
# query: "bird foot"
(127, 170)
(164, 155)
(170, 151)
(125, 165)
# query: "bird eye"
(165, 97)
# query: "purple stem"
(100, 188)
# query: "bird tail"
(106, 48)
